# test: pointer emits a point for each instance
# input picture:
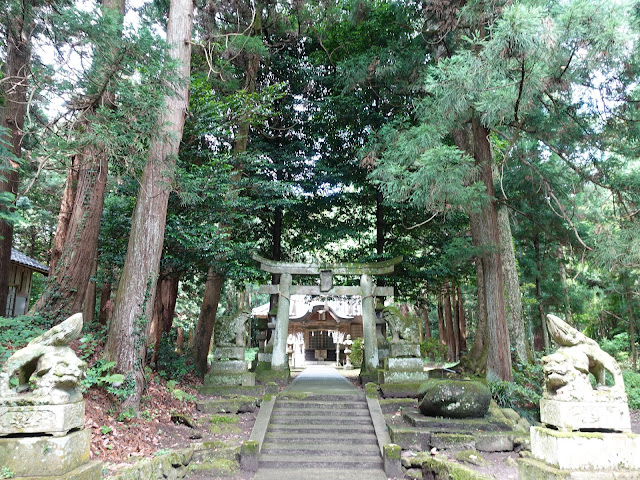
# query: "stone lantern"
(347, 351)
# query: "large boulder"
(454, 398)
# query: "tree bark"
(543, 319)
(66, 210)
(462, 322)
(136, 290)
(164, 309)
(206, 320)
(442, 331)
(632, 330)
(479, 341)
(105, 296)
(14, 92)
(498, 354)
(76, 240)
(513, 297)
(425, 319)
(89, 305)
(448, 322)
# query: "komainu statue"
(47, 366)
(567, 370)
(404, 328)
(231, 331)
(577, 395)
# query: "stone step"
(324, 474)
(324, 428)
(314, 449)
(319, 420)
(352, 461)
(321, 404)
(342, 412)
(339, 398)
(321, 438)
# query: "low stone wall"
(177, 463)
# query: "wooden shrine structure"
(367, 291)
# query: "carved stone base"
(586, 450)
(228, 353)
(532, 469)
(51, 457)
(585, 415)
(245, 379)
(397, 350)
(52, 419)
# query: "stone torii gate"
(367, 290)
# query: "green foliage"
(171, 364)
(432, 348)
(99, 375)
(5, 472)
(617, 347)
(16, 332)
(357, 351)
(632, 386)
(223, 419)
(524, 393)
(105, 429)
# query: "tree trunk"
(66, 288)
(448, 322)
(543, 319)
(76, 241)
(442, 331)
(66, 210)
(462, 322)
(498, 354)
(206, 320)
(515, 320)
(425, 319)
(89, 305)
(479, 341)
(14, 85)
(136, 290)
(164, 310)
(632, 330)
(456, 319)
(105, 296)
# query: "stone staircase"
(320, 437)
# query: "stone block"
(226, 367)
(440, 468)
(391, 457)
(228, 353)
(256, 390)
(585, 415)
(404, 364)
(494, 442)
(245, 379)
(442, 424)
(54, 419)
(532, 469)
(392, 405)
(400, 390)
(457, 441)
(409, 438)
(240, 404)
(45, 455)
(385, 376)
(265, 357)
(249, 454)
(586, 450)
(400, 350)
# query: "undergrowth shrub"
(432, 348)
(16, 332)
(171, 364)
(357, 351)
(632, 386)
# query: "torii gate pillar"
(369, 323)
(280, 359)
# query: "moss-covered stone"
(400, 390)
(392, 451)
(391, 405)
(471, 457)
(446, 441)
(438, 468)
(371, 390)
(454, 398)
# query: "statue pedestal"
(585, 415)
(404, 365)
(229, 368)
(30, 415)
(49, 457)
